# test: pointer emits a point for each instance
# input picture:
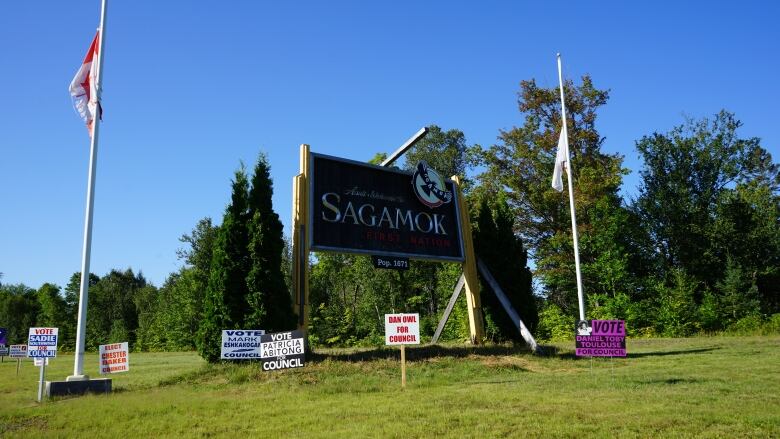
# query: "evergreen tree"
(246, 286)
(497, 245)
(270, 304)
(225, 301)
(216, 316)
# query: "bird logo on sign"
(429, 186)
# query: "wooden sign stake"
(403, 366)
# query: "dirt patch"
(30, 424)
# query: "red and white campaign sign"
(402, 329)
(114, 358)
(42, 343)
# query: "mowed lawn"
(696, 387)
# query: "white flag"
(83, 88)
(560, 162)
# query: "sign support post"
(403, 366)
(476, 324)
(300, 241)
(18, 362)
(40, 382)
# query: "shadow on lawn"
(553, 351)
(665, 353)
(420, 353)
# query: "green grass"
(702, 387)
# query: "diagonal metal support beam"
(524, 332)
(403, 148)
(448, 310)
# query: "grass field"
(698, 387)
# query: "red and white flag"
(83, 88)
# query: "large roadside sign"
(42, 342)
(367, 209)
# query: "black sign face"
(361, 208)
(391, 262)
(282, 350)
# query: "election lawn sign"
(114, 358)
(241, 344)
(402, 329)
(3, 342)
(42, 342)
(18, 351)
(282, 350)
(607, 338)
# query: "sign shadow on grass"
(422, 353)
(555, 351)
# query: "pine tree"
(270, 305)
(497, 245)
(225, 299)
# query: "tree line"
(696, 250)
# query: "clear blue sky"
(192, 88)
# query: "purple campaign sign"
(3, 341)
(604, 338)
(608, 327)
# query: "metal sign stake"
(40, 383)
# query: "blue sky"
(193, 88)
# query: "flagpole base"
(79, 387)
(77, 378)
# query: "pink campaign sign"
(603, 338)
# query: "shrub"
(554, 325)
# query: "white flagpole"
(81, 328)
(580, 296)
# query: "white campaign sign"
(39, 361)
(18, 351)
(42, 343)
(402, 329)
(114, 358)
(239, 344)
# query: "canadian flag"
(83, 88)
